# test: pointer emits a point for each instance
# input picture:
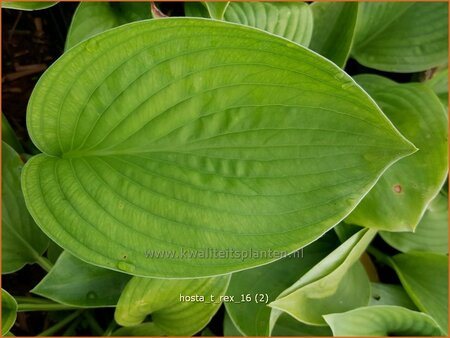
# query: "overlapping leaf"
(252, 318)
(439, 84)
(92, 18)
(430, 234)
(336, 284)
(9, 312)
(9, 137)
(291, 20)
(402, 37)
(170, 314)
(334, 28)
(22, 241)
(162, 149)
(382, 320)
(28, 5)
(425, 277)
(216, 10)
(74, 282)
(390, 294)
(401, 196)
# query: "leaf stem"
(380, 256)
(58, 326)
(110, 329)
(44, 263)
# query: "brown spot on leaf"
(397, 188)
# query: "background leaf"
(401, 196)
(439, 84)
(9, 312)
(390, 294)
(27, 5)
(425, 277)
(160, 298)
(91, 18)
(9, 136)
(383, 320)
(22, 241)
(381, 42)
(74, 282)
(334, 27)
(335, 284)
(149, 139)
(252, 318)
(291, 20)
(430, 234)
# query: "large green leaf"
(383, 320)
(334, 27)
(430, 234)
(22, 241)
(291, 20)
(9, 312)
(166, 157)
(74, 282)
(401, 196)
(402, 37)
(425, 277)
(92, 18)
(251, 317)
(165, 300)
(9, 136)
(390, 294)
(336, 284)
(28, 5)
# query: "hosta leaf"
(390, 294)
(288, 326)
(334, 27)
(425, 278)
(229, 328)
(171, 314)
(252, 318)
(91, 18)
(402, 37)
(74, 282)
(216, 10)
(159, 146)
(430, 234)
(336, 284)
(9, 312)
(383, 320)
(291, 20)
(401, 196)
(22, 241)
(439, 84)
(27, 5)
(9, 136)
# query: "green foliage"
(28, 5)
(9, 312)
(401, 196)
(231, 155)
(162, 299)
(381, 41)
(22, 241)
(103, 189)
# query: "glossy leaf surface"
(28, 5)
(74, 282)
(401, 196)
(22, 241)
(381, 41)
(335, 284)
(149, 139)
(383, 320)
(334, 27)
(161, 298)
